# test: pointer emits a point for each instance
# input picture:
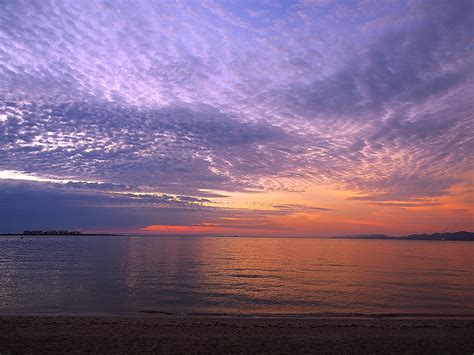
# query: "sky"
(285, 118)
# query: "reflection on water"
(234, 275)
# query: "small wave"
(251, 276)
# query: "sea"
(138, 275)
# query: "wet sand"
(174, 334)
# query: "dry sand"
(67, 334)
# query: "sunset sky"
(291, 118)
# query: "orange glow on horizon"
(328, 211)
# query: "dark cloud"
(40, 206)
(300, 208)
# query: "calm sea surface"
(128, 275)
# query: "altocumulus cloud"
(180, 98)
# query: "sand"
(174, 334)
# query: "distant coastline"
(456, 236)
(54, 232)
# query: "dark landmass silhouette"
(456, 236)
(52, 232)
(57, 233)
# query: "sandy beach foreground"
(66, 334)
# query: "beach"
(193, 334)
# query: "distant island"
(52, 232)
(456, 236)
(56, 232)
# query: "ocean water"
(243, 276)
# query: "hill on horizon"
(448, 236)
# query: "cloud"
(287, 207)
(192, 97)
(52, 206)
(399, 112)
(193, 148)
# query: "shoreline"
(461, 236)
(150, 314)
(224, 334)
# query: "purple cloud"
(185, 97)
